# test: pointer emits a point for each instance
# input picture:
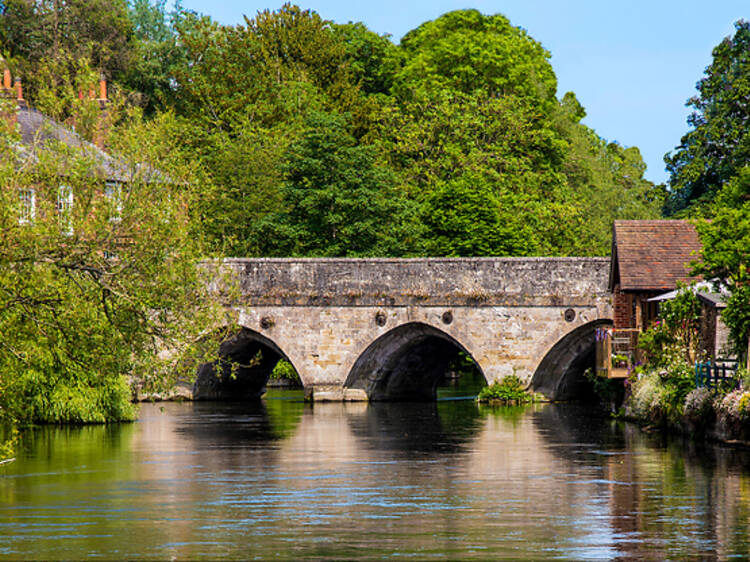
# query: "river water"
(283, 479)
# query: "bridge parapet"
(454, 282)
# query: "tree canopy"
(718, 144)
(97, 281)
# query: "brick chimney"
(19, 93)
(102, 127)
(103, 91)
(12, 97)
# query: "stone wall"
(421, 282)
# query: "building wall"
(622, 305)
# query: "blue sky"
(632, 64)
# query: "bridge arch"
(559, 374)
(405, 363)
(246, 359)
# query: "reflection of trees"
(576, 432)
(417, 429)
(96, 441)
(667, 496)
(233, 424)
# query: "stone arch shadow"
(559, 375)
(246, 359)
(405, 363)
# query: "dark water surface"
(282, 479)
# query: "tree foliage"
(710, 177)
(466, 51)
(36, 33)
(337, 199)
(675, 337)
(96, 284)
(718, 145)
(726, 254)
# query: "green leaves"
(337, 199)
(726, 256)
(718, 145)
(465, 51)
(111, 295)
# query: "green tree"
(244, 94)
(466, 51)
(373, 59)
(476, 95)
(157, 53)
(507, 152)
(96, 284)
(606, 180)
(726, 254)
(61, 34)
(337, 199)
(465, 217)
(718, 145)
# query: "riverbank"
(183, 391)
(671, 402)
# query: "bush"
(699, 408)
(675, 337)
(647, 397)
(734, 407)
(285, 370)
(508, 390)
(659, 397)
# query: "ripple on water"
(429, 481)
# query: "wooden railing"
(616, 352)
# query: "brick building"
(649, 257)
(36, 130)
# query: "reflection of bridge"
(357, 329)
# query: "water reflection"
(234, 424)
(418, 430)
(288, 480)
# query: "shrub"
(285, 370)
(659, 397)
(510, 389)
(675, 337)
(699, 409)
(735, 407)
(647, 397)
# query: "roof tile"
(654, 255)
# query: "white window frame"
(65, 209)
(113, 193)
(27, 205)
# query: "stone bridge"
(386, 329)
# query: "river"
(283, 479)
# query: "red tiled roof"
(653, 255)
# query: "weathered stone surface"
(388, 327)
(474, 282)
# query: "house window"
(113, 193)
(65, 209)
(27, 211)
